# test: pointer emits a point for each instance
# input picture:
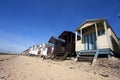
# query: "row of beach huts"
(90, 40)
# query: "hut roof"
(53, 40)
(66, 33)
(90, 22)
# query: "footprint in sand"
(3, 78)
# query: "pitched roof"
(93, 21)
(90, 22)
(53, 40)
(66, 33)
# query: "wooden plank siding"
(103, 41)
(106, 39)
(66, 47)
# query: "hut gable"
(89, 23)
(68, 36)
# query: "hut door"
(90, 41)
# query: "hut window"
(101, 32)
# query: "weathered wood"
(109, 56)
(96, 56)
(63, 49)
(96, 30)
(65, 55)
(76, 36)
(106, 33)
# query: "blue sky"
(27, 22)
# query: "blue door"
(90, 41)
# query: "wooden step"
(86, 57)
(87, 54)
(85, 60)
(60, 53)
(92, 55)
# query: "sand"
(17, 67)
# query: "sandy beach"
(18, 67)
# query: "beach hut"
(64, 45)
(97, 37)
(46, 50)
(43, 50)
(34, 50)
(26, 52)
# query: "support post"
(105, 27)
(109, 56)
(75, 40)
(76, 36)
(96, 56)
(96, 30)
(97, 52)
(81, 33)
(77, 57)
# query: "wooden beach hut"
(43, 50)
(97, 37)
(26, 52)
(46, 50)
(64, 45)
(34, 50)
